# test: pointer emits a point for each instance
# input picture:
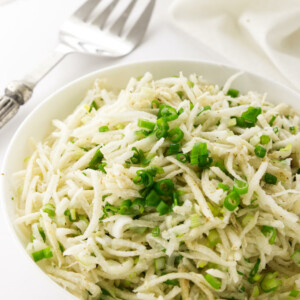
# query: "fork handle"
(19, 92)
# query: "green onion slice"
(167, 112)
(162, 128)
(143, 177)
(162, 208)
(213, 281)
(49, 209)
(264, 139)
(44, 253)
(146, 124)
(156, 231)
(152, 199)
(103, 128)
(233, 93)
(270, 282)
(173, 149)
(270, 232)
(164, 187)
(182, 157)
(270, 179)
(260, 151)
(241, 187)
(176, 135)
(232, 201)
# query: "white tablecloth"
(28, 32)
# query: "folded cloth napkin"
(261, 36)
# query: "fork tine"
(137, 31)
(102, 17)
(117, 27)
(86, 9)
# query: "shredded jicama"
(219, 167)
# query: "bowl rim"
(3, 203)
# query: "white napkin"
(261, 36)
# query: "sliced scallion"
(41, 254)
(270, 232)
(241, 187)
(156, 231)
(270, 179)
(213, 281)
(232, 201)
(146, 124)
(260, 151)
(176, 135)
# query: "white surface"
(258, 36)
(28, 33)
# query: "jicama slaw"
(169, 189)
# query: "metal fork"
(86, 34)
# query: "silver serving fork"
(86, 34)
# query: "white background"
(28, 32)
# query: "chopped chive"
(49, 209)
(248, 117)
(162, 208)
(176, 135)
(156, 231)
(173, 149)
(167, 112)
(164, 187)
(272, 120)
(155, 104)
(270, 179)
(270, 282)
(162, 128)
(44, 253)
(152, 199)
(270, 232)
(260, 151)
(264, 139)
(96, 160)
(101, 167)
(213, 281)
(190, 83)
(293, 129)
(232, 201)
(223, 186)
(146, 124)
(233, 93)
(61, 247)
(93, 105)
(255, 268)
(143, 177)
(103, 128)
(42, 233)
(182, 157)
(275, 129)
(241, 187)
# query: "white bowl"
(63, 102)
